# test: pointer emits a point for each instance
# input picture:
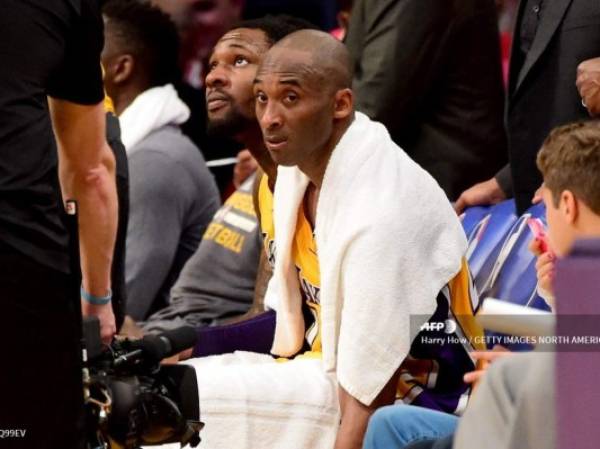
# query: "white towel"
(151, 110)
(251, 401)
(388, 241)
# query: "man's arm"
(355, 415)
(87, 175)
(512, 405)
(263, 276)
(486, 193)
(264, 273)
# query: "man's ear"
(121, 69)
(569, 206)
(343, 104)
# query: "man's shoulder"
(172, 142)
(168, 152)
(170, 145)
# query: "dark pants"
(40, 371)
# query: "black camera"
(131, 399)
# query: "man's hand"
(245, 166)
(545, 271)
(482, 194)
(588, 84)
(544, 267)
(484, 358)
(185, 354)
(130, 329)
(537, 196)
(105, 315)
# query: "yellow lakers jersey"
(304, 254)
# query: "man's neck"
(315, 169)
(311, 202)
(588, 226)
(315, 166)
(124, 98)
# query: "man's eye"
(291, 97)
(211, 66)
(261, 97)
(240, 61)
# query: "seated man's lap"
(395, 426)
(248, 398)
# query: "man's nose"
(271, 117)
(217, 77)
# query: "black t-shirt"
(48, 48)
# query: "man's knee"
(389, 425)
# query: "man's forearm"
(263, 276)
(93, 187)
(355, 415)
(353, 426)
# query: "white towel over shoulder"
(388, 241)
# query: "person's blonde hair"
(570, 160)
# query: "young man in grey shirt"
(173, 196)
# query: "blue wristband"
(96, 300)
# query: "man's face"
(560, 231)
(231, 71)
(201, 22)
(293, 107)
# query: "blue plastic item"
(486, 239)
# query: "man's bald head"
(304, 102)
(313, 54)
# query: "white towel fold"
(388, 241)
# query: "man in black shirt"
(50, 80)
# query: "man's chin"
(218, 116)
(220, 128)
(280, 159)
(225, 125)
